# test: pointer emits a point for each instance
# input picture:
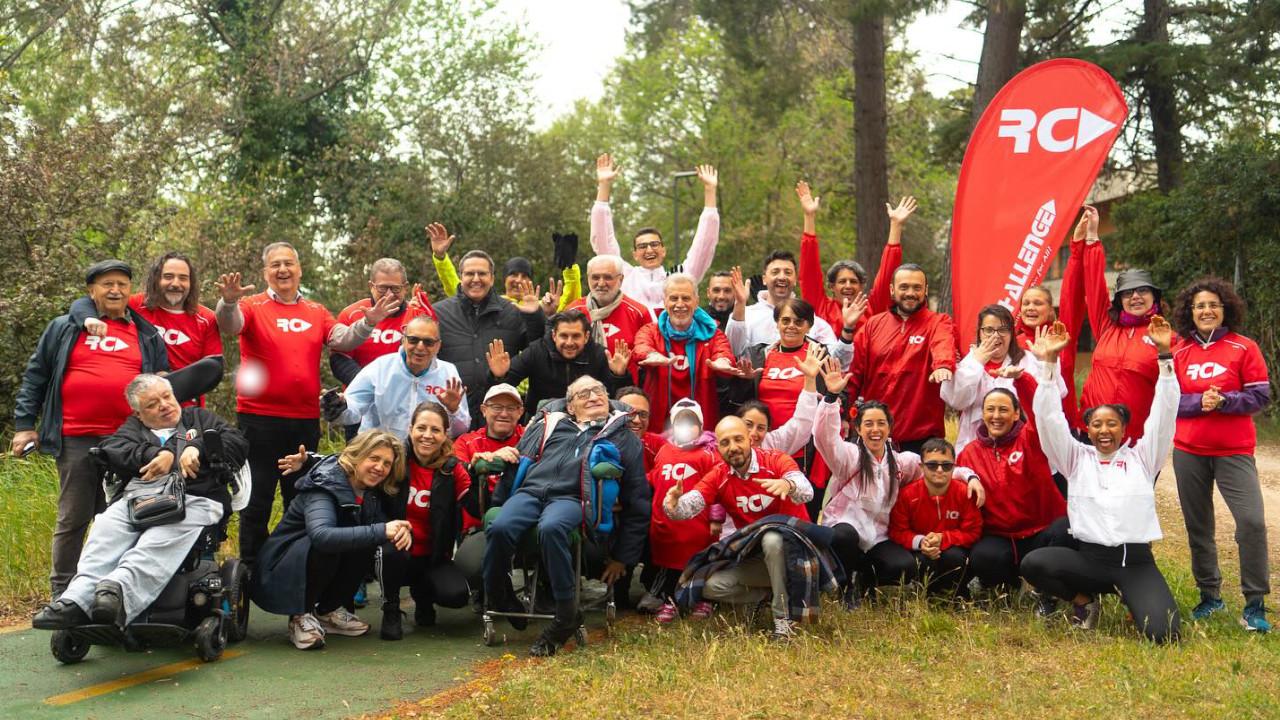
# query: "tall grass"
(28, 509)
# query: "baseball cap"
(503, 389)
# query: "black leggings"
(333, 579)
(1129, 570)
(886, 563)
(994, 559)
(442, 585)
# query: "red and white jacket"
(1232, 363)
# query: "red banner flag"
(1031, 160)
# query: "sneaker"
(702, 610)
(361, 598)
(1046, 605)
(1254, 618)
(305, 632)
(1085, 617)
(108, 604)
(667, 613)
(783, 629)
(649, 604)
(1208, 606)
(343, 622)
(60, 615)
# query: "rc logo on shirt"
(677, 472)
(1147, 339)
(386, 337)
(680, 362)
(915, 340)
(106, 344)
(1205, 371)
(419, 498)
(953, 514)
(173, 337)
(609, 330)
(292, 324)
(782, 373)
(1015, 456)
(754, 503)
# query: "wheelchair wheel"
(580, 636)
(66, 648)
(210, 639)
(491, 635)
(235, 583)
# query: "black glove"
(332, 405)
(755, 285)
(677, 268)
(566, 249)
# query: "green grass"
(28, 508)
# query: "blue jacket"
(324, 516)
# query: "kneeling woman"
(436, 486)
(315, 558)
(1111, 503)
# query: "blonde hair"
(363, 445)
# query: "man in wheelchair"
(554, 490)
(123, 568)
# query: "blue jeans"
(556, 518)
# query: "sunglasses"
(936, 466)
(428, 341)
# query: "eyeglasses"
(935, 466)
(584, 394)
(428, 341)
(1207, 306)
(650, 244)
(503, 409)
(384, 289)
(640, 414)
(1002, 331)
(1126, 294)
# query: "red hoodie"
(813, 283)
(892, 361)
(1021, 497)
(918, 513)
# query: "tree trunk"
(870, 135)
(999, 60)
(1162, 102)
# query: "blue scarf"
(702, 329)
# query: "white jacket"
(384, 393)
(971, 383)
(794, 434)
(1111, 503)
(645, 286)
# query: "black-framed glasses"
(935, 466)
(384, 289)
(1126, 294)
(1001, 331)
(588, 392)
(428, 341)
(649, 244)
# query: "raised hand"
(740, 292)
(381, 310)
(1160, 333)
(498, 359)
(808, 203)
(619, 358)
(853, 310)
(1087, 227)
(833, 377)
(440, 240)
(898, 215)
(550, 301)
(414, 302)
(530, 300)
(1051, 339)
(815, 356)
(606, 170)
(451, 396)
(290, 464)
(708, 175)
(1009, 372)
(231, 289)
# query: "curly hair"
(1233, 308)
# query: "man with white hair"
(614, 316)
(122, 569)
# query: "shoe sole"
(318, 644)
(345, 632)
(1249, 628)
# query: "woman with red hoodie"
(1024, 510)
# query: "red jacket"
(813, 283)
(664, 384)
(892, 361)
(918, 513)
(1021, 497)
(1071, 313)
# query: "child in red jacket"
(936, 520)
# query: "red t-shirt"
(673, 542)
(744, 500)
(280, 347)
(418, 509)
(98, 370)
(477, 441)
(386, 335)
(780, 385)
(652, 442)
(622, 324)
(1231, 362)
(187, 336)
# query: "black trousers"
(886, 563)
(1129, 570)
(333, 578)
(442, 585)
(995, 559)
(270, 438)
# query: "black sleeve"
(344, 368)
(131, 447)
(535, 326)
(81, 310)
(321, 515)
(29, 401)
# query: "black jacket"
(467, 328)
(40, 395)
(133, 446)
(550, 374)
(445, 512)
(561, 471)
(325, 516)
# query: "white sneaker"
(783, 629)
(343, 622)
(305, 632)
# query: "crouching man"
(123, 569)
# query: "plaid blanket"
(811, 569)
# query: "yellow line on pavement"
(20, 627)
(129, 681)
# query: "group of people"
(756, 453)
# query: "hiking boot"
(702, 610)
(60, 615)
(783, 629)
(108, 604)
(424, 614)
(1208, 605)
(1254, 618)
(566, 622)
(1085, 617)
(392, 622)
(343, 622)
(305, 632)
(667, 613)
